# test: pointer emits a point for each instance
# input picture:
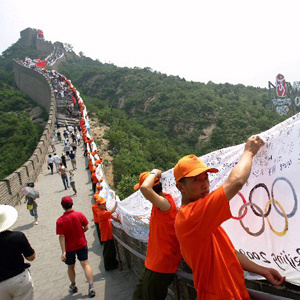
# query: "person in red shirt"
(163, 253)
(217, 267)
(71, 227)
(109, 250)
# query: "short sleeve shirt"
(14, 246)
(163, 251)
(71, 225)
(105, 225)
(95, 209)
(207, 249)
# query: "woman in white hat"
(15, 279)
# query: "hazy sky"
(233, 41)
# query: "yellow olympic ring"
(284, 231)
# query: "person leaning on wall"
(163, 253)
(217, 267)
(104, 220)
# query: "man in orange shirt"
(95, 209)
(206, 248)
(94, 179)
(163, 253)
(109, 250)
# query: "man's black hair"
(67, 205)
(157, 188)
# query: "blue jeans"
(64, 178)
(33, 212)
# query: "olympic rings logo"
(272, 201)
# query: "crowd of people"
(71, 140)
(193, 232)
(39, 65)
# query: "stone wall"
(39, 88)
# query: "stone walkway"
(48, 271)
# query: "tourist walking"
(50, 163)
(52, 142)
(67, 149)
(63, 172)
(73, 159)
(74, 146)
(15, 279)
(32, 207)
(72, 182)
(58, 135)
(71, 227)
(63, 160)
(56, 160)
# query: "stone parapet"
(39, 88)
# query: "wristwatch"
(154, 173)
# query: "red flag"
(41, 64)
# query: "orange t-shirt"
(94, 178)
(105, 225)
(95, 209)
(91, 166)
(207, 249)
(163, 251)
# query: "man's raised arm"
(240, 173)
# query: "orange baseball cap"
(142, 178)
(100, 200)
(96, 195)
(99, 187)
(190, 166)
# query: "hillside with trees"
(21, 119)
(154, 119)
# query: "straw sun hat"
(8, 216)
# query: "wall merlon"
(38, 87)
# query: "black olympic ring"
(250, 199)
(261, 215)
(292, 213)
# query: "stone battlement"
(39, 88)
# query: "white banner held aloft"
(265, 212)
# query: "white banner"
(266, 218)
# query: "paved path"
(48, 271)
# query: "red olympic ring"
(245, 211)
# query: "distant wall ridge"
(38, 87)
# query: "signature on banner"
(282, 259)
